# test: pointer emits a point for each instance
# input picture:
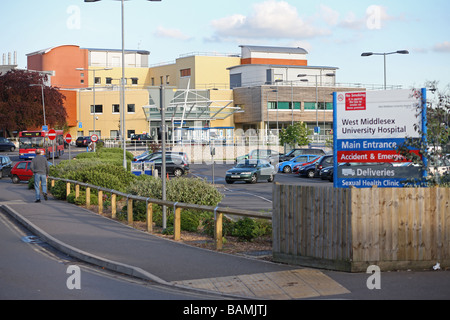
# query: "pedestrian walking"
(40, 169)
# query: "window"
(185, 72)
(130, 133)
(153, 81)
(134, 81)
(98, 80)
(131, 108)
(310, 106)
(109, 80)
(98, 109)
(116, 108)
(167, 79)
(114, 134)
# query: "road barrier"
(178, 207)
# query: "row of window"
(284, 105)
(131, 108)
(135, 81)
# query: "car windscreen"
(246, 165)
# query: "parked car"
(6, 145)
(263, 154)
(5, 166)
(288, 166)
(308, 170)
(327, 173)
(83, 141)
(251, 171)
(141, 138)
(295, 153)
(175, 165)
(22, 171)
(298, 166)
(323, 162)
(147, 156)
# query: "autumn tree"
(21, 105)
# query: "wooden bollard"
(218, 230)
(113, 206)
(177, 224)
(88, 197)
(77, 191)
(149, 217)
(130, 212)
(100, 201)
(67, 189)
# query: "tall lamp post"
(368, 54)
(122, 109)
(93, 88)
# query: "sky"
(334, 32)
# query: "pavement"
(95, 239)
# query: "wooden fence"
(351, 229)
(177, 206)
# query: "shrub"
(247, 229)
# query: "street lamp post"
(122, 109)
(368, 54)
(43, 98)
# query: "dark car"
(308, 170)
(324, 162)
(251, 171)
(147, 156)
(175, 165)
(327, 173)
(295, 153)
(6, 145)
(83, 141)
(140, 138)
(5, 166)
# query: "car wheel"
(287, 169)
(229, 181)
(1, 174)
(271, 178)
(178, 173)
(254, 179)
(15, 179)
(311, 174)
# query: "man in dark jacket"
(40, 169)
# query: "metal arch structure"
(188, 105)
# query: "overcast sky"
(335, 32)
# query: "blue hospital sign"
(368, 129)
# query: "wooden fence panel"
(350, 229)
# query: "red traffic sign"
(52, 134)
(94, 138)
(68, 138)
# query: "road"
(32, 270)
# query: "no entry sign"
(52, 134)
(68, 138)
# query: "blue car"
(287, 166)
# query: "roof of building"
(268, 49)
(282, 66)
(47, 50)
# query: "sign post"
(69, 140)
(368, 129)
(52, 137)
(94, 139)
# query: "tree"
(434, 148)
(21, 105)
(296, 134)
